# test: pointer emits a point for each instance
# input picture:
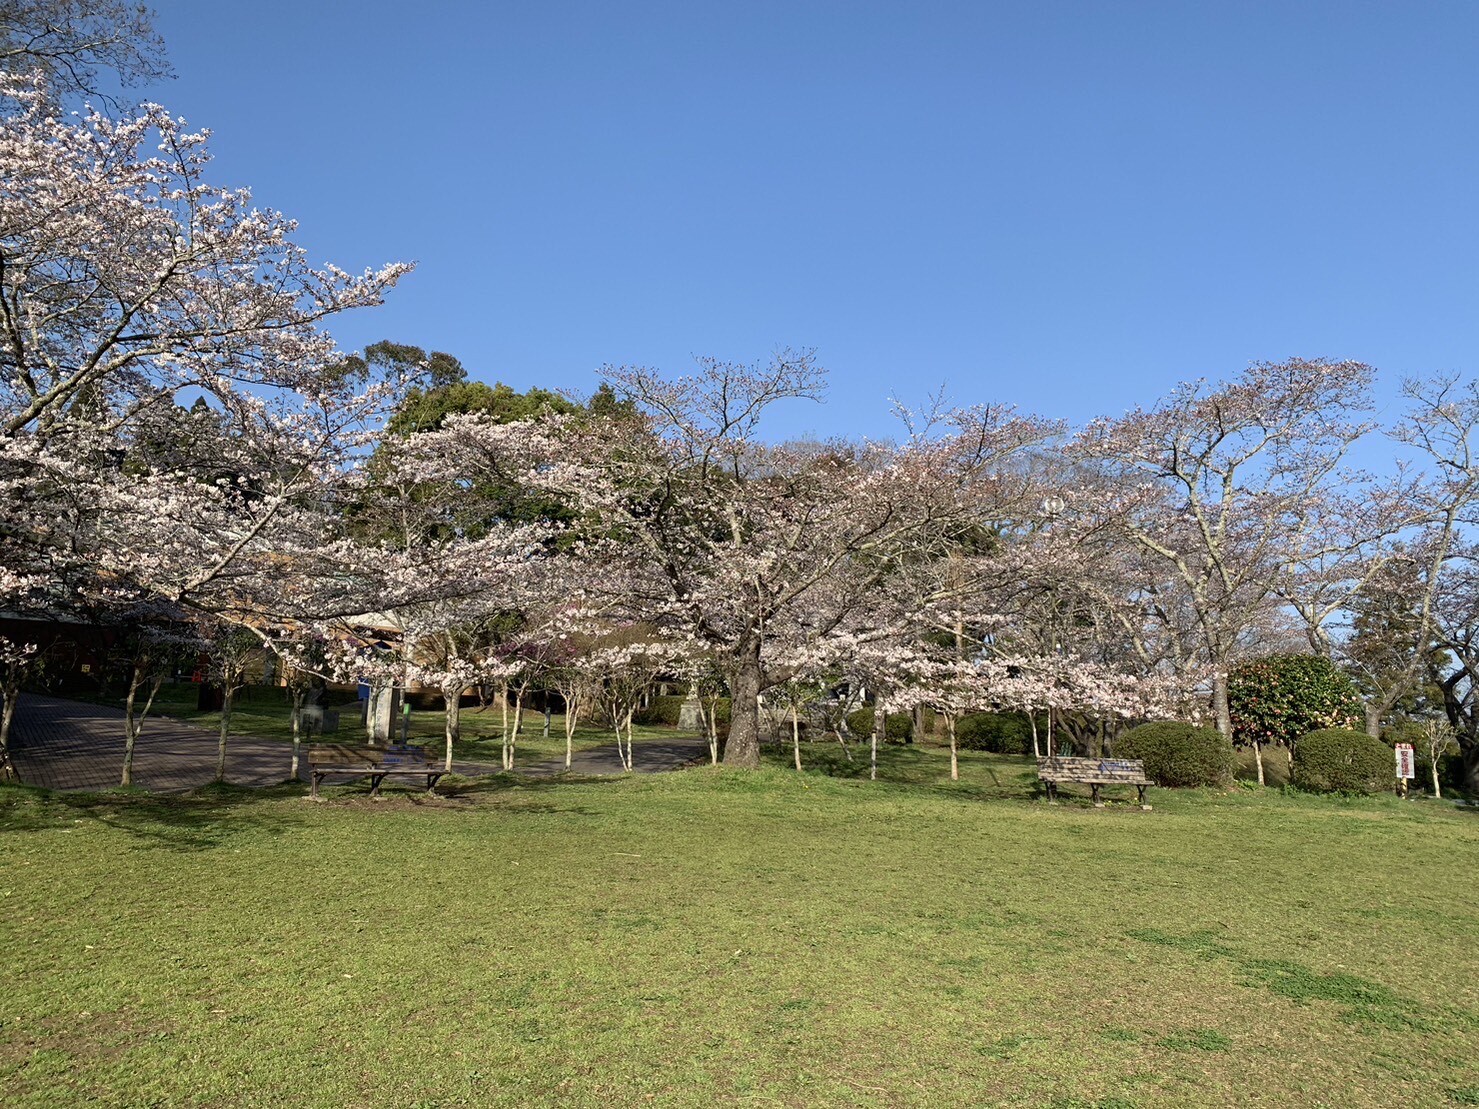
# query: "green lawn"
(713, 937)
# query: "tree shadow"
(198, 820)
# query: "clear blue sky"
(1065, 205)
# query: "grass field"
(713, 937)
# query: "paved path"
(72, 745)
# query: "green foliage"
(1006, 733)
(1282, 697)
(1178, 754)
(426, 410)
(1341, 760)
(899, 728)
(1450, 760)
(660, 710)
(666, 710)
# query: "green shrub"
(660, 710)
(1277, 699)
(898, 729)
(1341, 760)
(666, 711)
(1178, 754)
(1007, 733)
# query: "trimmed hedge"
(1341, 760)
(898, 729)
(666, 710)
(1006, 733)
(1178, 754)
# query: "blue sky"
(1067, 206)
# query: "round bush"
(660, 710)
(1178, 754)
(1339, 760)
(1006, 733)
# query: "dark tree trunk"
(743, 747)
(228, 695)
(1471, 770)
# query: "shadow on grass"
(921, 769)
(199, 820)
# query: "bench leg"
(315, 777)
(1143, 805)
(1094, 786)
(375, 780)
(1052, 793)
(431, 784)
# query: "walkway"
(63, 744)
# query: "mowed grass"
(714, 937)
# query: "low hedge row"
(1341, 760)
(1178, 754)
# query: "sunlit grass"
(712, 937)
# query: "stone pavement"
(63, 744)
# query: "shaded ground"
(649, 756)
(62, 744)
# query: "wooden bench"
(376, 763)
(1094, 773)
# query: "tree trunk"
(918, 723)
(838, 733)
(873, 755)
(503, 725)
(7, 716)
(1258, 759)
(228, 695)
(954, 760)
(295, 719)
(1032, 722)
(1051, 752)
(1471, 770)
(1433, 757)
(1219, 702)
(133, 722)
(796, 736)
(743, 748)
(571, 713)
(452, 708)
(1373, 720)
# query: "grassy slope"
(713, 937)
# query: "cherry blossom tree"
(1220, 485)
(70, 41)
(731, 542)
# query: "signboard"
(1405, 761)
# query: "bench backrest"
(1083, 770)
(342, 754)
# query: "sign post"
(1406, 767)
